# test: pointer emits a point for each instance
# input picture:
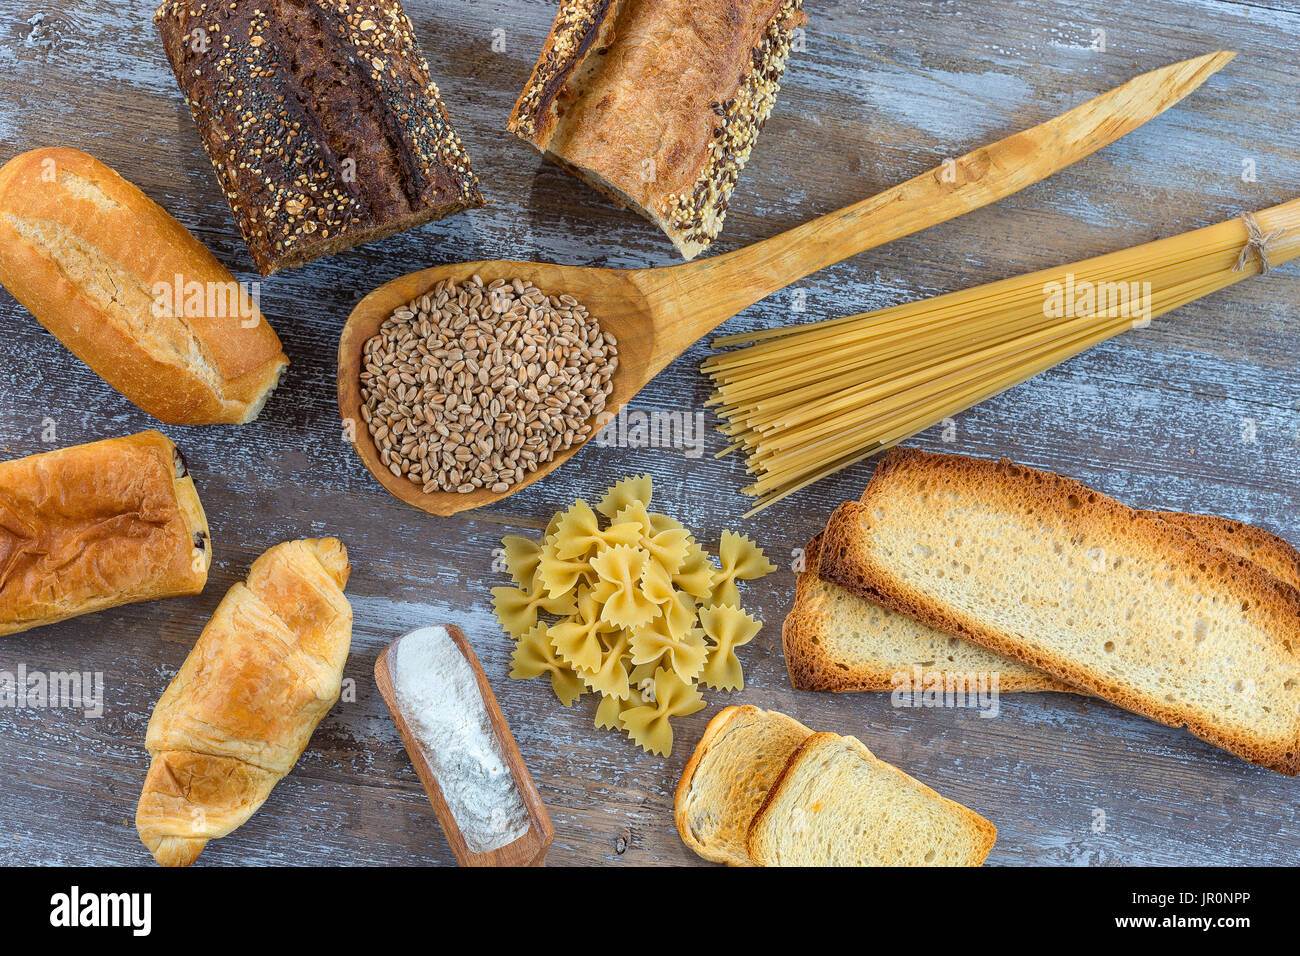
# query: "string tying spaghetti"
(1257, 243)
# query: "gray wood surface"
(885, 89)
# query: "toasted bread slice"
(836, 641)
(1256, 545)
(837, 804)
(1123, 604)
(742, 752)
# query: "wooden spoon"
(656, 314)
(530, 849)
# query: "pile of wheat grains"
(474, 386)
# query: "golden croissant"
(240, 712)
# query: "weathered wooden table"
(1198, 413)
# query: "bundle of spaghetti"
(803, 402)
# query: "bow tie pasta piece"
(696, 574)
(656, 583)
(635, 513)
(522, 556)
(578, 533)
(741, 559)
(577, 638)
(609, 714)
(659, 523)
(679, 615)
(638, 488)
(727, 628)
(517, 608)
(668, 547)
(685, 656)
(610, 677)
(559, 576)
(619, 591)
(648, 725)
(535, 656)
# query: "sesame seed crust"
(321, 121)
(593, 74)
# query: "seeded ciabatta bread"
(1123, 604)
(743, 751)
(837, 804)
(837, 641)
(321, 121)
(658, 103)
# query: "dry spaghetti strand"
(803, 402)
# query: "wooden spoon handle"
(714, 290)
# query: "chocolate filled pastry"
(97, 526)
(321, 121)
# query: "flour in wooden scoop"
(440, 700)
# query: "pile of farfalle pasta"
(641, 614)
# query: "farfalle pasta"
(641, 614)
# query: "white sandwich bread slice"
(743, 751)
(1123, 604)
(837, 641)
(837, 804)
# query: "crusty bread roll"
(658, 103)
(243, 706)
(97, 526)
(103, 267)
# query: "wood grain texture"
(1200, 412)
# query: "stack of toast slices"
(762, 789)
(957, 564)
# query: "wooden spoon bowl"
(656, 314)
(530, 849)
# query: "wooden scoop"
(530, 849)
(656, 314)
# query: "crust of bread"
(611, 108)
(1012, 486)
(96, 526)
(1272, 553)
(988, 832)
(85, 252)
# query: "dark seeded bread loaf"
(1120, 603)
(320, 119)
(837, 641)
(658, 103)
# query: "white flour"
(440, 701)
